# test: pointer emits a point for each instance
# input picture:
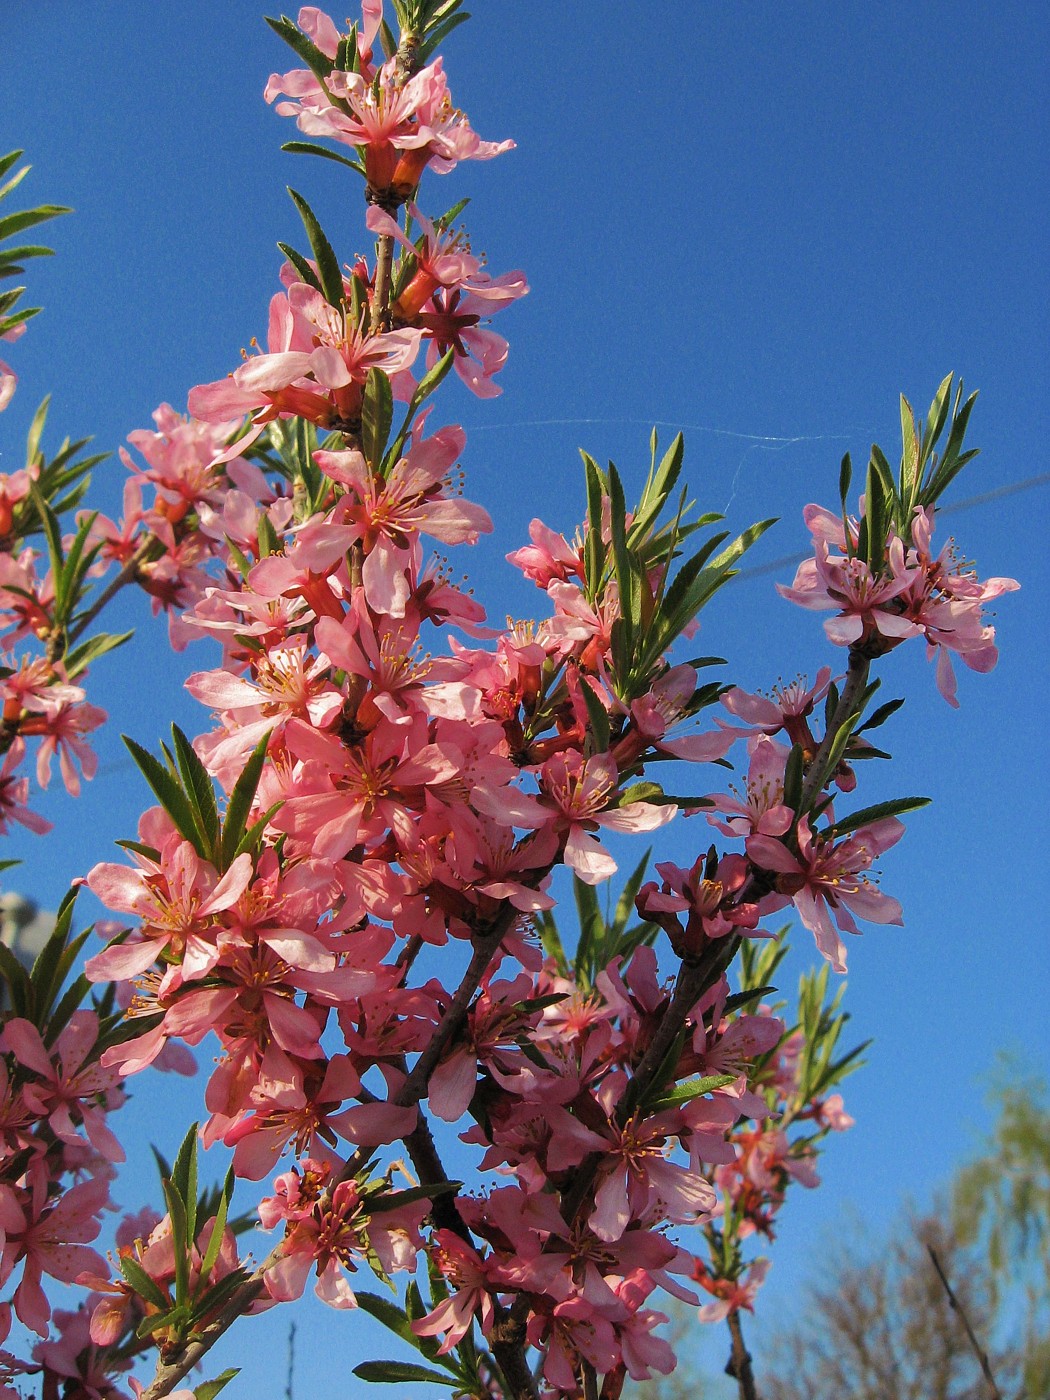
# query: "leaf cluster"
(197, 1299)
(12, 259)
(924, 473)
(461, 1373)
(635, 561)
(185, 790)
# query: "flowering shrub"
(395, 776)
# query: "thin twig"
(856, 681)
(739, 1364)
(982, 1356)
(381, 296)
(129, 573)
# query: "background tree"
(1001, 1207)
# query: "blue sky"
(758, 223)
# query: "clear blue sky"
(757, 222)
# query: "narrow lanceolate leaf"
(310, 148)
(691, 1089)
(28, 218)
(240, 803)
(311, 55)
(625, 904)
(184, 1178)
(52, 529)
(305, 271)
(793, 776)
(47, 962)
(327, 262)
(389, 1314)
(597, 718)
(657, 490)
(590, 920)
(7, 161)
(395, 1372)
(937, 417)
(142, 1283)
(78, 561)
(910, 462)
(211, 1252)
(254, 834)
(180, 1239)
(19, 987)
(210, 1389)
(742, 999)
(377, 412)
(392, 1199)
(621, 557)
(881, 715)
(199, 788)
(878, 812)
(594, 549)
(83, 655)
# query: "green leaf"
(6, 162)
(597, 717)
(210, 1389)
(302, 267)
(394, 1372)
(881, 715)
(47, 974)
(311, 55)
(645, 791)
(594, 547)
(181, 1241)
(327, 263)
(184, 1179)
(439, 35)
(389, 1314)
(621, 557)
(81, 657)
(20, 989)
(590, 919)
(22, 254)
(52, 528)
(377, 413)
(391, 1200)
(845, 478)
(240, 803)
(141, 1282)
(175, 1318)
(909, 474)
(877, 812)
(793, 775)
(691, 1089)
(658, 489)
(28, 218)
(739, 1000)
(251, 838)
(211, 1252)
(310, 148)
(550, 940)
(625, 904)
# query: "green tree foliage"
(1001, 1209)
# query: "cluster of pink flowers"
(776, 1140)
(913, 594)
(399, 778)
(57, 1161)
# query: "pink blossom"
(827, 880)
